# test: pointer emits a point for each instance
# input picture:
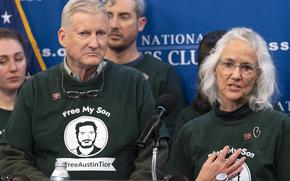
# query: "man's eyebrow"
(124, 14)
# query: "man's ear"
(61, 37)
(141, 23)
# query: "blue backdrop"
(172, 34)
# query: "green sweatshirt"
(264, 137)
(185, 115)
(46, 125)
(163, 79)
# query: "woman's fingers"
(211, 157)
(223, 154)
(235, 173)
(236, 168)
(218, 163)
(232, 159)
(231, 165)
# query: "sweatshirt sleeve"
(283, 156)
(16, 162)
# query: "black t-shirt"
(4, 116)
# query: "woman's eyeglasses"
(82, 94)
(246, 69)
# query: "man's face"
(86, 136)
(85, 39)
(124, 25)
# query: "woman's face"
(12, 65)
(236, 72)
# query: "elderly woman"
(238, 78)
(13, 67)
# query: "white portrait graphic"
(86, 136)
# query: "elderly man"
(126, 20)
(84, 87)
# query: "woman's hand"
(216, 164)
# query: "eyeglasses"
(82, 94)
(246, 69)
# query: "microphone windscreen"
(166, 101)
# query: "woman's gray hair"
(139, 8)
(260, 96)
(86, 6)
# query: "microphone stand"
(156, 145)
(152, 133)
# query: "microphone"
(164, 105)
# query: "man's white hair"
(86, 6)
